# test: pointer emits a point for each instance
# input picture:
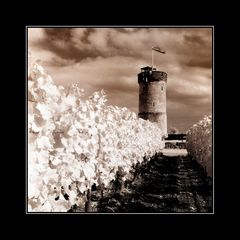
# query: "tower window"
(162, 88)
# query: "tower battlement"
(149, 74)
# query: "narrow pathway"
(165, 184)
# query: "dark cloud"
(58, 34)
(191, 49)
(111, 58)
(61, 41)
(62, 49)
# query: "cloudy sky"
(111, 58)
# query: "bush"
(199, 142)
(75, 143)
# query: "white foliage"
(79, 143)
(199, 140)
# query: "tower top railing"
(148, 69)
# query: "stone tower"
(152, 97)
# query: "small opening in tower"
(162, 88)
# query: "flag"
(158, 49)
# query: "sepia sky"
(111, 58)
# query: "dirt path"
(165, 184)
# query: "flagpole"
(152, 58)
(156, 48)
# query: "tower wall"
(152, 98)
